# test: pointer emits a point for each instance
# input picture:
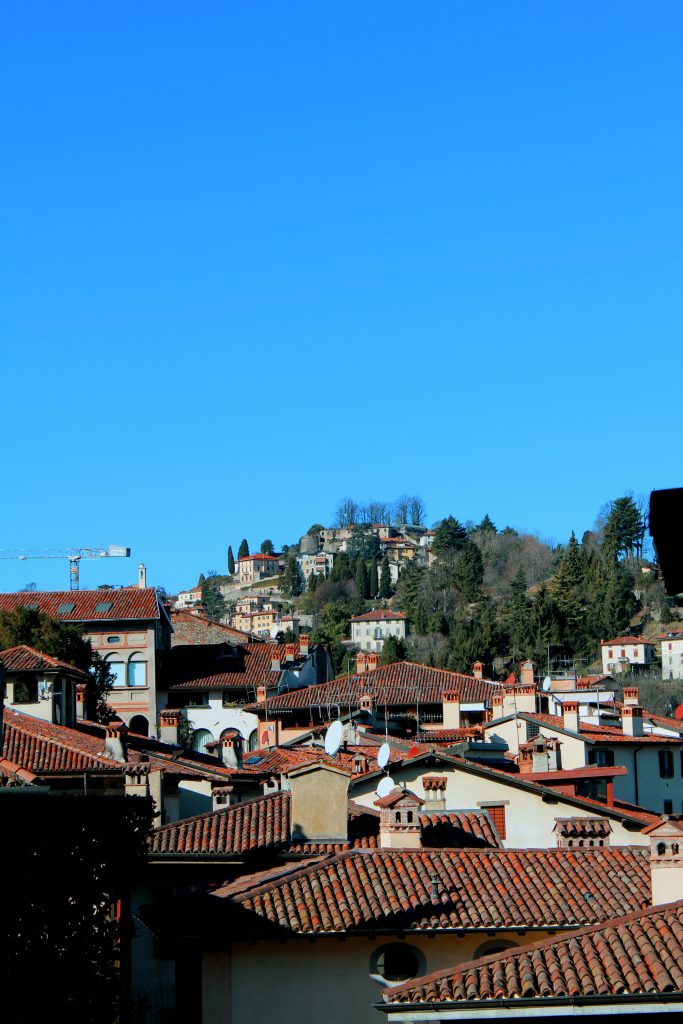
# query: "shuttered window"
(497, 816)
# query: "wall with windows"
(130, 655)
(370, 636)
(49, 697)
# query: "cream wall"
(530, 819)
(672, 658)
(514, 732)
(128, 701)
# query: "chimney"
(666, 859)
(319, 803)
(304, 644)
(632, 720)
(570, 715)
(360, 764)
(80, 702)
(497, 705)
(450, 702)
(261, 693)
(361, 663)
(169, 723)
(630, 695)
(371, 661)
(526, 673)
(142, 576)
(115, 741)
(435, 792)
(222, 797)
(275, 661)
(539, 755)
(367, 702)
(136, 780)
(290, 652)
(399, 821)
(478, 670)
(519, 698)
(231, 749)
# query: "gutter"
(535, 1006)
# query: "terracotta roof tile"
(640, 952)
(43, 748)
(378, 615)
(583, 827)
(26, 659)
(81, 605)
(249, 666)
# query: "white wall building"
(369, 631)
(620, 654)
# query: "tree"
(243, 551)
(469, 571)
(65, 641)
(213, 601)
(416, 510)
(517, 618)
(231, 562)
(385, 588)
(402, 510)
(314, 530)
(624, 529)
(485, 526)
(312, 582)
(347, 512)
(362, 579)
(393, 649)
(374, 579)
(267, 547)
(568, 592)
(449, 537)
(291, 581)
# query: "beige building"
(41, 686)
(625, 652)
(370, 630)
(255, 568)
(672, 654)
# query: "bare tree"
(347, 512)
(378, 512)
(402, 510)
(417, 510)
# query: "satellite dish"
(547, 683)
(678, 713)
(385, 786)
(333, 738)
(383, 755)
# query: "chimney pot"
(570, 715)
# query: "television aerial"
(385, 786)
(383, 755)
(333, 738)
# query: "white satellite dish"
(383, 755)
(385, 786)
(333, 738)
(547, 683)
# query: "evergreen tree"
(312, 584)
(385, 588)
(374, 579)
(517, 618)
(343, 568)
(243, 551)
(267, 547)
(291, 581)
(486, 525)
(545, 626)
(468, 572)
(393, 649)
(568, 592)
(231, 562)
(624, 529)
(449, 537)
(362, 580)
(213, 601)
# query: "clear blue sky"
(259, 256)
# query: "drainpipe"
(635, 771)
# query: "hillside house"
(672, 654)
(626, 654)
(255, 568)
(370, 630)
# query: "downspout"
(635, 772)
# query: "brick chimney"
(570, 715)
(142, 576)
(632, 720)
(666, 859)
(169, 723)
(371, 661)
(275, 661)
(366, 702)
(399, 822)
(361, 663)
(222, 797)
(478, 670)
(231, 749)
(80, 702)
(450, 701)
(435, 792)
(136, 780)
(540, 754)
(497, 705)
(319, 803)
(290, 653)
(526, 673)
(304, 645)
(631, 695)
(115, 741)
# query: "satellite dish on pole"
(547, 683)
(385, 786)
(383, 755)
(333, 738)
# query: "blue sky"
(256, 257)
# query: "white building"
(189, 598)
(620, 654)
(319, 564)
(255, 568)
(369, 631)
(672, 654)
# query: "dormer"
(399, 825)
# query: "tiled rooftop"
(26, 659)
(401, 683)
(81, 605)
(487, 889)
(43, 748)
(589, 828)
(378, 615)
(249, 667)
(639, 953)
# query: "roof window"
(103, 606)
(65, 608)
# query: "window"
(200, 739)
(609, 653)
(668, 807)
(497, 816)
(532, 729)
(137, 670)
(103, 606)
(26, 690)
(65, 608)
(397, 962)
(666, 764)
(635, 652)
(603, 758)
(113, 639)
(378, 632)
(197, 700)
(117, 668)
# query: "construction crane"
(74, 556)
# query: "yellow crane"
(74, 555)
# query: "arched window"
(409, 817)
(116, 667)
(397, 815)
(252, 742)
(661, 849)
(137, 669)
(26, 690)
(397, 962)
(493, 946)
(139, 725)
(674, 848)
(200, 738)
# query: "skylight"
(64, 609)
(103, 606)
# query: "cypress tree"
(243, 551)
(469, 571)
(231, 562)
(362, 581)
(385, 579)
(374, 578)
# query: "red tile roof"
(482, 889)
(469, 732)
(589, 828)
(43, 748)
(260, 558)
(601, 733)
(182, 617)
(379, 615)
(625, 640)
(126, 603)
(27, 659)
(673, 634)
(248, 668)
(639, 953)
(401, 683)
